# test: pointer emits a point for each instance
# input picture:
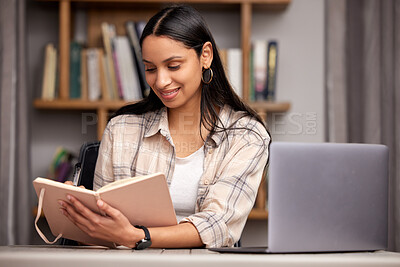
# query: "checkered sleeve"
(104, 171)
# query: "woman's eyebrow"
(165, 60)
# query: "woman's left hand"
(114, 227)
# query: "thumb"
(107, 209)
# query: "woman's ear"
(206, 55)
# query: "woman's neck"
(184, 119)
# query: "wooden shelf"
(116, 104)
(270, 106)
(258, 214)
(78, 104)
(261, 2)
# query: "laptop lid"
(327, 197)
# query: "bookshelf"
(117, 12)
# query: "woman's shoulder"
(245, 123)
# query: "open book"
(143, 200)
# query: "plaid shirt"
(135, 145)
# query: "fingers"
(108, 210)
(74, 221)
(79, 213)
(80, 208)
(71, 183)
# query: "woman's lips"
(169, 94)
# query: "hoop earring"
(207, 75)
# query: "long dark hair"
(184, 24)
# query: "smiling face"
(173, 72)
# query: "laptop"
(325, 197)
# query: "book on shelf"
(251, 78)
(234, 62)
(93, 71)
(260, 69)
(107, 42)
(110, 95)
(134, 35)
(128, 74)
(84, 75)
(105, 82)
(144, 200)
(264, 60)
(112, 34)
(231, 59)
(272, 60)
(49, 81)
(75, 70)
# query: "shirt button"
(206, 182)
(210, 151)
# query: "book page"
(143, 200)
(121, 183)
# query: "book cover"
(143, 200)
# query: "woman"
(193, 128)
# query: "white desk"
(72, 257)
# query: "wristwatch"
(146, 241)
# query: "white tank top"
(185, 181)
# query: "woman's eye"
(175, 67)
(150, 69)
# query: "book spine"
(84, 75)
(46, 67)
(75, 70)
(260, 69)
(93, 74)
(103, 78)
(234, 60)
(137, 56)
(53, 73)
(112, 34)
(251, 80)
(108, 77)
(271, 71)
(110, 62)
(129, 74)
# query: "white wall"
(300, 34)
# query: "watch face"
(142, 244)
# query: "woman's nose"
(163, 79)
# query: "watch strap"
(147, 238)
(146, 231)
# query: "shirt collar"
(158, 122)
